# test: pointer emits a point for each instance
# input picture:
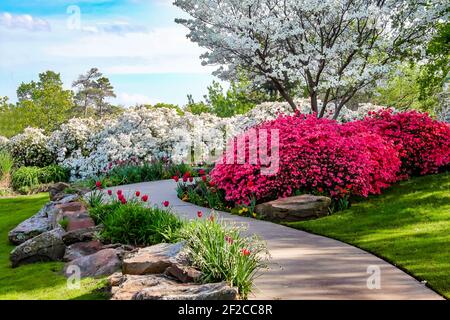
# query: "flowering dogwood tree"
(335, 48)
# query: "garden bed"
(147, 244)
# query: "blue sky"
(135, 43)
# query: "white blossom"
(334, 48)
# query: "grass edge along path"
(39, 280)
(408, 226)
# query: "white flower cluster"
(73, 136)
(336, 46)
(87, 147)
(30, 148)
(271, 110)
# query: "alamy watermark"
(255, 147)
(374, 280)
(74, 19)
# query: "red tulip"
(98, 184)
(201, 172)
(138, 193)
(145, 198)
(166, 203)
(199, 214)
(185, 179)
(212, 183)
(110, 192)
(191, 179)
(204, 178)
(123, 200)
(246, 252)
(176, 178)
(119, 192)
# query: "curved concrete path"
(303, 265)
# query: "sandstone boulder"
(81, 249)
(154, 259)
(68, 198)
(81, 235)
(56, 191)
(296, 208)
(41, 222)
(47, 246)
(159, 287)
(76, 214)
(101, 263)
(184, 273)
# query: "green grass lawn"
(409, 226)
(39, 280)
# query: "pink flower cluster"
(322, 156)
(423, 142)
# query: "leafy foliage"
(222, 254)
(93, 90)
(131, 172)
(44, 104)
(133, 223)
(25, 179)
(6, 164)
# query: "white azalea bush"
(30, 148)
(140, 133)
(89, 147)
(72, 137)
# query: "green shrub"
(222, 254)
(132, 173)
(152, 171)
(134, 224)
(99, 213)
(25, 179)
(96, 199)
(202, 194)
(54, 173)
(6, 164)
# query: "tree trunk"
(324, 104)
(284, 94)
(314, 103)
(338, 108)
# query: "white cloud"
(162, 50)
(25, 21)
(128, 99)
(118, 27)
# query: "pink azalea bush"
(315, 155)
(424, 143)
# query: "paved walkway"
(303, 265)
